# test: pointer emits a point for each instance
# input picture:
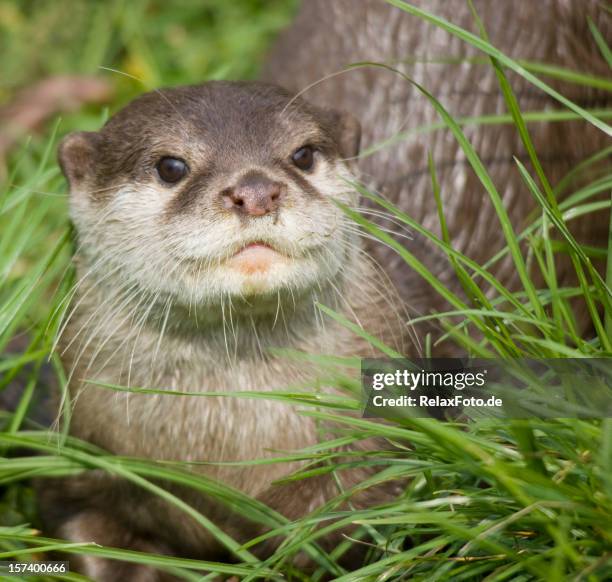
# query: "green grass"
(485, 500)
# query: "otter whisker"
(109, 299)
(97, 329)
(224, 326)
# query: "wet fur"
(326, 36)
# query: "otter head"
(222, 190)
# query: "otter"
(311, 58)
(208, 231)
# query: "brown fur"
(134, 323)
(329, 35)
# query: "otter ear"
(76, 154)
(347, 132)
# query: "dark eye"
(303, 158)
(171, 170)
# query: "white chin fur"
(295, 274)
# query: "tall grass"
(485, 500)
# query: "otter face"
(215, 191)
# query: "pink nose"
(254, 195)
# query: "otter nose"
(254, 195)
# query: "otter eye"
(303, 158)
(171, 170)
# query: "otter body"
(207, 232)
(327, 36)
